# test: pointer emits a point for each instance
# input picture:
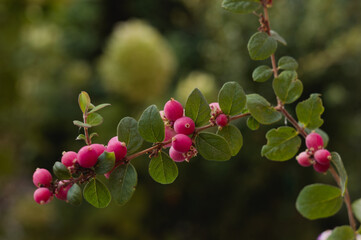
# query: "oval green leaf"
(309, 111)
(100, 106)
(197, 108)
(287, 63)
(84, 101)
(337, 161)
(105, 162)
(287, 87)
(262, 110)
(278, 37)
(233, 136)
(261, 46)
(231, 98)
(262, 73)
(128, 132)
(213, 147)
(356, 209)
(252, 123)
(282, 144)
(61, 171)
(319, 201)
(150, 125)
(97, 194)
(122, 182)
(238, 6)
(163, 169)
(94, 119)
(342, 233)
(75, 196)
(81, 124)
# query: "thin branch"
(280, 107)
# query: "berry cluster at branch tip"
(315, 154)
(79, 166)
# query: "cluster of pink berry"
(77, 164)
(177, 129)
(315, 154)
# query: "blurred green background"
(132, 53)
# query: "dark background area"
(138, 52)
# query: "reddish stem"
(86, 132)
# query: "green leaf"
(105, 162)
(75, 196)
(197, 108)
(213, 147)
(231, 98)
(261, 46)
(252, 123)
(100, 106)
(282, 144)
(238, 6)
(319, 201)
(262, 73)
(81, 124)
(61, 171)
(122, 182)
(151, 126)
(97, 194)
(309, 111)
(94, 134)
(337, 161)
(287, 63)
(80, 137)
(128, 132)
(84, 101)
(262, 110)
(323, 134)
(163, 169)
(233, 136)
(287, 87)
(94, 119)
(342, 233)
(278, 37)
(356, 209)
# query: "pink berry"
(215, 108)
(42, 195)
(119, 148)
(304, 159)
(42, 177)
(176, 156)
(321, 168)
(222, 120)
(314, 141)
(169, 134)
(62, 191)
(322, 156)
(184, 125)
(99, 148)
(181, 143)
(113, 139)
(173, 110)
(69, 158)
(87, 157)
(324, 235)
